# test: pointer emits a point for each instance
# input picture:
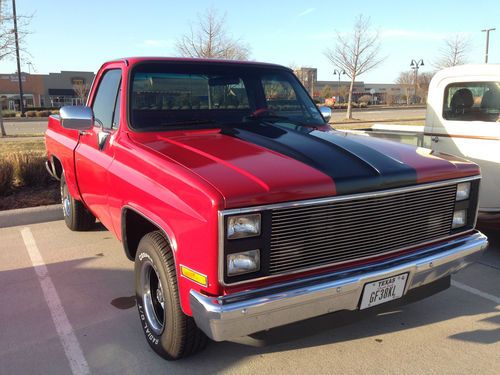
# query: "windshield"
(165, 96)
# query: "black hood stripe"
(353, 166)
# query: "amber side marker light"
(197, 277)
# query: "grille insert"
(329, 233)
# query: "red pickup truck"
(244, 210)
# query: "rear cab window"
(472, 101)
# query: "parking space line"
(64, 329)
(475, 291)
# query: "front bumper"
(244, 313)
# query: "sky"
(81, 35)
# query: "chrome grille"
(336, 232)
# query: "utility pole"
(21, 99)
(487, 31)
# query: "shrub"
(54, 112)
(30, 113)
(45, 113)
(29, 169)
(43, 108)
(6, 175)
(365, 99)
(9, 113)
(340, 106)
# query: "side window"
(472, 101)
(106, 103)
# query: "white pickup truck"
(463, 119)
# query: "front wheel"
(76, 215)
(169, 332)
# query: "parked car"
(463, 109)
(243, 210)
(463, 118)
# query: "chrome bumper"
(244, 313)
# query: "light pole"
(21, 104)
(339, 72)
(30, 66)
(415, 65)
(487, 31)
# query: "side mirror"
(326, 112)
(77, 117)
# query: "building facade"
(381, 93)
(309, 78)
(51, 90)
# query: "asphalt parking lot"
(66, 307)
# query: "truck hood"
(255, 164)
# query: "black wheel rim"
(152, 297)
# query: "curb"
(382, 108)
(31, 215)
(24, 119)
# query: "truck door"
(469, 127)
(95, 152)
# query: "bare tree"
(7, 39)
(209, 38)
(327, 91)
(407, 81)
(3, 133)
(454, 52)
(423, 81)
(356, 53)
(81, 90)
(342, 91)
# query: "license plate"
(381, 291)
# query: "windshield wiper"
(269, 117)
(188, 122)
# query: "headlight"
(244, 262)
(459, 219)
(463, 191)
(243, 226)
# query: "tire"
(76, 215)
(169, 332)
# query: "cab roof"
(130, 61)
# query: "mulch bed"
(23, 197)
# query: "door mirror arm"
(102, 137)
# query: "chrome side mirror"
(77, 117)
(326, 112)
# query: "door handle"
(435, 139)
(83, 132)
